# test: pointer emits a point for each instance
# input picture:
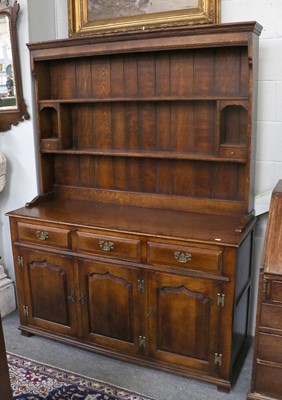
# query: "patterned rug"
(31, 380)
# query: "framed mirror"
(12, 105)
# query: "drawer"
(274, 291)
(44, 235)
(110, 246)
(270, 348)
(233, 152)
(271, 316)
(50, 144)
(268, 380)
(206, 260)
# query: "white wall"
(38, 20)
(43, 20)
(269, 127)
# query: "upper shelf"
(54, 102)
(232, 154)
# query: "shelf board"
(141, 99)
(145, 154)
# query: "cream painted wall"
(269, 121)
(43, 20)
(38, 20)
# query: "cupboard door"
(49, 291)
(183, 320)
(111, 308)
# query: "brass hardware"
(182, 257)
(42, 235)
(218, 359)
(264, 286)
(150, 313)
(220, 299)
(106, 246)
(141, 285)
(142, 341)
(25, 310)
(81, 298)
(71, 296)
(20, 261)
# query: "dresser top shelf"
(195, 227)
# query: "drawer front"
(44, 235)
(233, 152)
(271, 316)
(49, 144)
(274, 292)
(184, 257)
(268, 380)
(109, 246)
(270, 348)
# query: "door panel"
(112, 305)
(48, 282)
(184, 322)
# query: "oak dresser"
(139, 243)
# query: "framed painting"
(88, 17)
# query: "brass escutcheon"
(42, 235)
(182, 257)
(106, 246)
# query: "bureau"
(139, 243)
(267, 362)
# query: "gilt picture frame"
(90, 17)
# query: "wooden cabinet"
(48, 284)
(139, 243)
(184, 321)
(112, 305)
(267, 363)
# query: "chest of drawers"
(267, 364)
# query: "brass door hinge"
(142, 341)
(25, 311)
(220, 299)
(218, 359)
(20, 261)
(71, 296)
(150, 313)
(141, 285)
(81, 298)
(264, 286)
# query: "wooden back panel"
(136, 114)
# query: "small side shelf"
(233, 122)
(48, 120)
(55, 124)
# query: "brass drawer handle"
(42, 235)
(182, 257)
(106, 246)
